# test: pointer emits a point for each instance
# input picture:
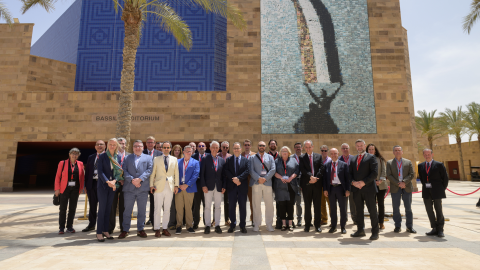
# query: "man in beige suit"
(163, 184)
(400, 173)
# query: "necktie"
(311, 162)
(332, 175)
(359, 159)
(236, 161)
(428, 165)
(166, 163)
(95, 176)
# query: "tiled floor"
(29, 240)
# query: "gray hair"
(359, 140)
(137, 141)
(225, 142)
(396, 147)
(193, 144)
(214, 142)
(345, 144)
(74, 150)
(428, 149)
(238, 144)
(122, 139)
(324, 146)
(187, 147)
(308, 141)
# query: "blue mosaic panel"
(60, 41)
(316, 67)
(161, 64)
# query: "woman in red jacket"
(68, 185)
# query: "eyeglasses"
(345, 148)
(201, 146)
(261, 145)
(324, 150)
(166, 147)
(246, 145)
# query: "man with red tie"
(363, 173)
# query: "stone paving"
(29, 240)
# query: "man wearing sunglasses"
(199, 197)
(325, 158)
(224, 154)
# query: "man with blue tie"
(91, 178)
(346, 157)
(236, 172)
(189, 170)
(136, 172)
(212, 185)
(336, 187)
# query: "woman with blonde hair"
(177, 151)
(109, 174)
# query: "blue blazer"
(89, 169)
(191, 174)
(342, 172)
(242, 173)
(130, 171)
(209, 177)
(104, 170)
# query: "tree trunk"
(462, 168)
(430, 142)
(132, 18)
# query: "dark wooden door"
(453, 170)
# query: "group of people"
(177, 181)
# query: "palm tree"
(473, 121)
(427, 124)
(134, 13)
(453, 122)
(471, 18)
(5, 14)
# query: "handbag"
(56, 199)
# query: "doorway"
(453, 170)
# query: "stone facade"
(39, 102)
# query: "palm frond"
(48, 5)
(471, 18)
(223, 8)
(453, 122)
(170, 22)
(472, 120)
(5, 14)
(116, 4)
(426, 123)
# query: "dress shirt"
(310, 157)
(400, 170)
(336, 180)
(137, 159)
(326, 160)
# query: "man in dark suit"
(363, 173)
(118, 199)
(153, 153)
(236, 171)
(311, 167)
(336, 187)
(199, 197)
(347, 158)
(91, 178)
(212, 185)
(434, 177)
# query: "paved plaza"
(29, 240)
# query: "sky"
(442, 57)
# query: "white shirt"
(336, 180)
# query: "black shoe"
(178, 230)
(432, 232)
(440, 234)
(374, 236)
(195, 227)
(411, 230)
(397, 229)
(70, 230)
(293, 224)
(207, 230)
(243, 230)
(358, 234)
(478, 203)
(253, 224)
(87, 229)
(344, 231)
(231, 230)
(109, 238)
(299, 224)
(307, 229)
(149, 222)
(217, 229)
(332, 230)
(318, 229)
(190, 230)
(284, 228)
(100, 240)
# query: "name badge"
(285, 177)
(95, 172)
(71, 184)
(428, 185)
(263, 173)
(183, 180)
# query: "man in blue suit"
(136, 172)
(236, 171)
(212, 185)
(189, 170)
(91, 178)
(336, 186)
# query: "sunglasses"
(324, 150)
(224, 147)
(201, 146)
(261, 145)
(246, 145)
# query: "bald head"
(334, 154)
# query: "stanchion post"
(85, 211)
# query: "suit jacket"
(306, 170)
(61, 178)
(367, 172)
(392, 174)
(437, 176)
(156, 153)
(350, 157)
(196, 156)
(159, 176)
(281, 189)
(89, 170)
(241, 174)
(209, 177)
(104, 170)
(143, 171)
(342, 173)
(126, 154)
(191, 174)
(382, 173)
(256, 168)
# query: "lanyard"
(151, 154)
(334, 168)
(296, 157)
(121, 161)
(285, 167)
(399, 167)
(274, 157)
(215, 160)
(185, 166)
(428, 170)
(73, 168)
(346, 159)
(263, 167)
(201, 157)
(325, 160)
(359, 160)
(247, 155)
